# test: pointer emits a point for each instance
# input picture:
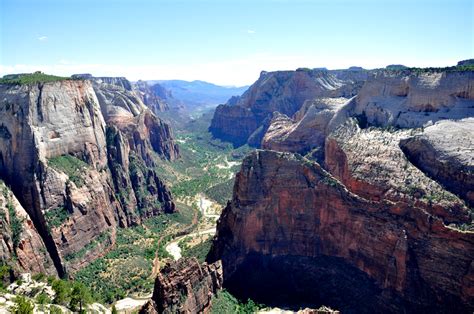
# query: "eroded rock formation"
(185, 286)
(55, 155)
(282, 91)
(154, 97)
(306, 131)
(445, 151)
(294, 234)
(381, 226)
(20, 240)
(408, 99)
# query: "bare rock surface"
(152, 96)
(371, 164)
(63, 164)
(291, 224)
(445, 151)
(409, 100)
(20, 241)
(185, 286)
(281, 91)
(307, 130)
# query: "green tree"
(114, 309)
(43, 298)
(62, 290)
(23, 306)
(80, 297)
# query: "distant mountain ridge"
(197, 93)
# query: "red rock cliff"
(294, 234)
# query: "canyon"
(377, 213)
(358, 197)
(77, 158)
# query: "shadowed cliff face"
(19, 239)
(296, 235)
(55, 156)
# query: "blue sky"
(229, 42)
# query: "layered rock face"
(380, 227)
(185, 286)
(294, 234)
(282, 91)
(20, 240)
(154, 97)
(445, 151)
(409, 100)
(55, 156)
(371, 164)
(43, 122)
(307, 130)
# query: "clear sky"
(229, 42)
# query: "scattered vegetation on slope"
(414, 70)
(70, 165)
(55, 217)
(226, 303)
(36, 296)
(199, 251)
(127, 269)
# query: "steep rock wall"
(294, 234)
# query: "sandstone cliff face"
(20, 241)
(295, 234)
(371, 164)
(185, 286)
(407, 99)
(55, 156)
(233, 123)
(152, 96)
(307, 130)
(46, 121)
(445, 151)
(282, 91)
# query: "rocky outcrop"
(117, 102)
(306, 131)
(185, 286)
(154, 97)
(371, 164)
(20, 245)
(294, 234)
(364, 254)
(137, 184)
(124, 109)
(51, 127)
(410, 99)
(121, 82)
(55, 156)
(282, 91)
(445, 151)
(233, 124)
